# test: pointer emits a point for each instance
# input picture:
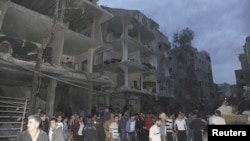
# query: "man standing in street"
(218, 119)
(114, 129)
(163, 117)
(141, 128)
(122, 124)
(55, 133)
(89, 131)
(130, 128)
(198, 125)
(181, 127)
(106, 126)
(154, 131)
(170, 128)
(33, 133)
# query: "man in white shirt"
(210, 118)
(217, 119)
(181, 127)
(154, 131)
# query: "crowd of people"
(116, 126)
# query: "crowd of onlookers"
(118, 126)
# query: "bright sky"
(220, 27)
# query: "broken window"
(19, 49)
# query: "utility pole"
(36, 75)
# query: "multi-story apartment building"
(243, 78)
(65, 35)
(204, 74)
(193, 79)
(137, 62)
(243, 74)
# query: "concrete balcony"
(133, 45)
(134, 91)
(75, 12)
(24, 71)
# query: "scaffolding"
(13, 113)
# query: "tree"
(184, 38)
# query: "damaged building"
(137, 63)
(73, 54)
(69, 54)
(47, 50)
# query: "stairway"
(13, 113)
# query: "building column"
(107, 100)
(90, 101)
(57, 51)
(141, 82)
(126, 77)
(57, 44)
(51, 98)
(4, 5)
(125, 51)
(96, 31)
(125, 70)
(124, 42)
(90, 63)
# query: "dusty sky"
(220, 27)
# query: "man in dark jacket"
(44, 122)
(89, 131)
(33, 133)
(100, 130)
(198, 125)
(141, 128)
